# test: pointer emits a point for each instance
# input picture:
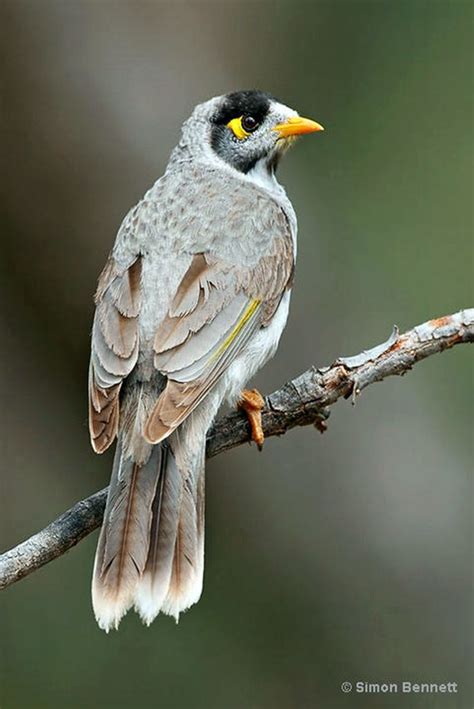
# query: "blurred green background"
(339, 558)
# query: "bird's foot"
(252, 402)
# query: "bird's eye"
(249, 124)
(242, 127)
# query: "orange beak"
(297, 126)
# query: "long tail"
(151, 546)
(123, 543)
(173, 577)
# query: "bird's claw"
(252, 402)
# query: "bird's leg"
(252, 402)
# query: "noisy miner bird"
(191, 303)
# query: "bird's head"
(245, 129)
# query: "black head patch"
(253, 102)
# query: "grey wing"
(114, 346)
(216, 310)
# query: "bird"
(191, 303)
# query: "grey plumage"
(191, 302)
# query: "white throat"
(261, 176)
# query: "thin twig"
(304, 400)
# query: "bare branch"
(304, 400)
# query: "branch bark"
(302, 401)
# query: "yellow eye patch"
(237, 129)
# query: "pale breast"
(261, 348)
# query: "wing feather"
(194, 347)
(114, 347)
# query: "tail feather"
(153, 586)
(151, 547)
(123, 543)
(186, 580)
(175, 586)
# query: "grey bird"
(191, 303)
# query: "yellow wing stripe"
(249, 311)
